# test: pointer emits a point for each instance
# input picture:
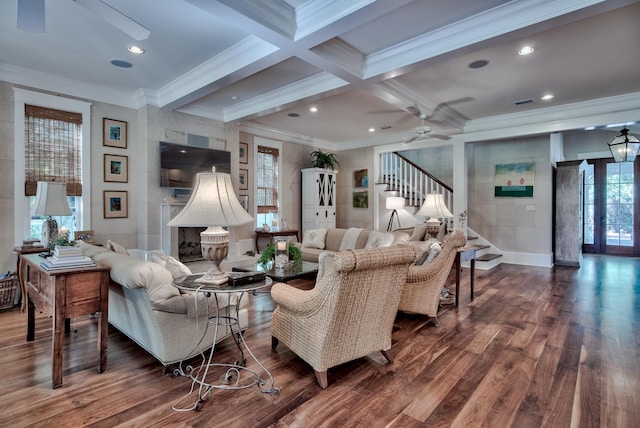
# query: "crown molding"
(314, 15)
(61, 85)
(277, 134)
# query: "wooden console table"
(64, 294)
(273, 234)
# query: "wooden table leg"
(58, 332)
(31, 319)
(458, 269)
(473, 274)
(103, 325)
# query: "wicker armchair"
(421, 293)
(348, 314)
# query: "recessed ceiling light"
(120, 63)
(479, 63)
(589, 128)
(293, 115)
(135, 49)
(313, 109)
(234, 97)
(372, 129)
(547, 97)
(525, 50)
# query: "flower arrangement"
(269, 253)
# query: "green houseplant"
(324, 160)
(269, 252)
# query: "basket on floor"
(8, 291)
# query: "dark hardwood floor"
(537, 347)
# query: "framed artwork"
(244, 155)
(87, 236)
(244, 179)
(514, 180)
(116, 168)
(114, 133)
(115, 204)
(244, 201)
(361, 178)
(361, 199)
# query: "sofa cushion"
(173, 265)
(116, 248)
(314, 238)
(400, 238)
(379, 239)
(425, 247)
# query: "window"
(51, 143)
(267, 186)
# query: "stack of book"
(67, 258)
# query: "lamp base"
(214, 243)
(433, 226)
(49, 233)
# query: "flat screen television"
(179, 164)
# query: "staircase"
(413, 183)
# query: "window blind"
(53, 148)
(267, 180)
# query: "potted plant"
(268, 253)
(324, 160)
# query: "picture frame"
(514, 180)
(116, 204)
(114, 133)
(361, 178)
(243, 179)
(361, 199)
(116, 168)
(87, 236)
(244, 153)
(244, 201)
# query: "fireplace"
(182, 243)
(189, 244)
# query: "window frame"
(22, 219)
(260, 141)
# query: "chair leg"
(387, 355)
(435, 320)
(321, 377)
(274, 342)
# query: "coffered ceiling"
(365, 65)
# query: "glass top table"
(298, 270)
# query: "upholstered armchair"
(421, 293)
(350, 311)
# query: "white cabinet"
(318, 198)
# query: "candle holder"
(282, 255)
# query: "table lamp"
(394, 203)
(212, 204)
(434, 208)
(51, 199)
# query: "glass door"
(611, 207)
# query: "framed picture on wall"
(244, 155)
(116, 168)
(244, 201)
(87, 236)
(244, 179)
(115, 204)
(114, 133)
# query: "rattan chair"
(421, 293)
(348, 314)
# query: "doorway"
(611, 207)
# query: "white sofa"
(146, 306)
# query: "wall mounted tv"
(179, 164)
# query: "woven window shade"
(267, 180)
(53, 149)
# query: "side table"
(64, 294)
(228, 375)
(464, 254)
(272, 234)
(19, 268)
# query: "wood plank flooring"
(537, 347)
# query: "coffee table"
(298, 270)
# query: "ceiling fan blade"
(31, 16)
(412, 139)
(114, 17)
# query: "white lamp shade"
(212, 203)
(51, 199)
(394, 203)
(434, 207)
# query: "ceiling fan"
(423, 131)
(31, 17)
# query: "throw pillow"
(159, 258)
(418, 232)
(379, 239)
(426, 247)
(314, 238)
(400, 238)
(433, 252)
(116, 248)
(177, 268)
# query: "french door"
(611, 207)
